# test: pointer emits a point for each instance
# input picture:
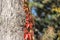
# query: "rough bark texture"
(11, 20)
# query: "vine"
(28, 28)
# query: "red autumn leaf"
(27, 18)
(27, 25)
(25, 36)
(29, 36)
(25, 30)
(31, 25)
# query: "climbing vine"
(29, 22)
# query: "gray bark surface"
(12, 19)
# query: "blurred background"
(46, 15)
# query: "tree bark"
(12, 19)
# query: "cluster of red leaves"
(28, 24)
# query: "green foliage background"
(44, 22)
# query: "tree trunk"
(11, 20)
